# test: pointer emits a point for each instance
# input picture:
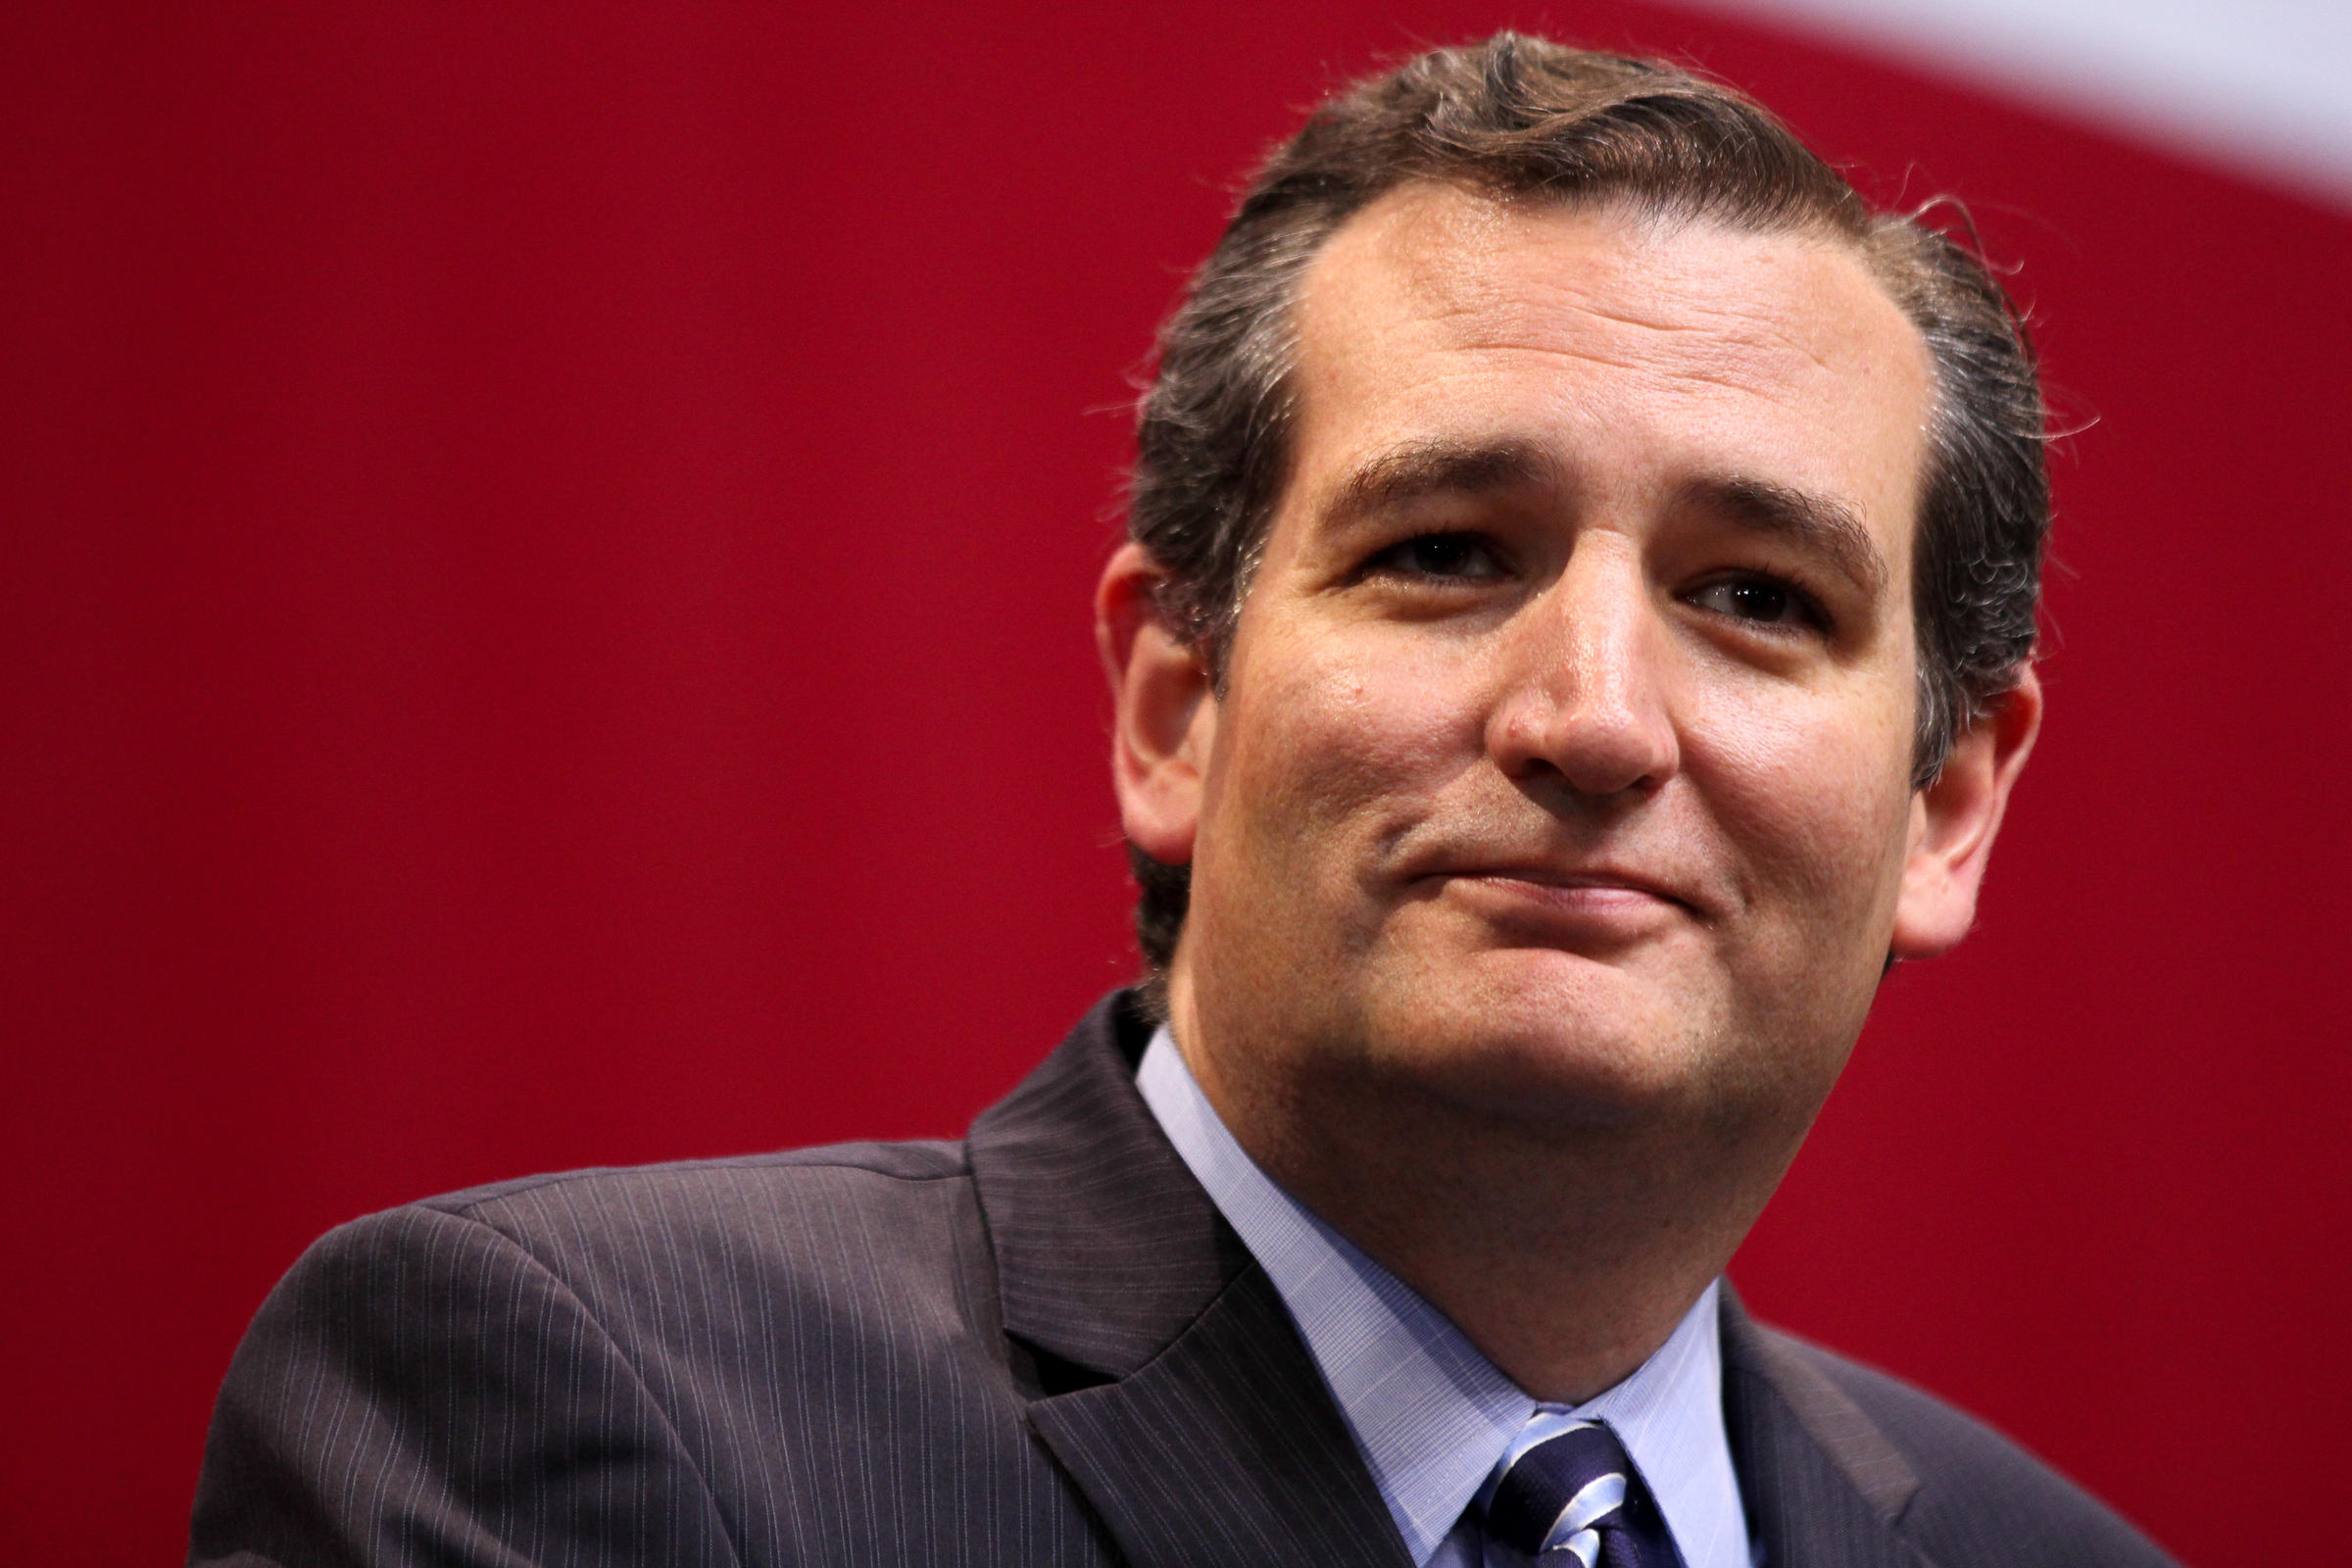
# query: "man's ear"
(1953, 821)
(1166, 714)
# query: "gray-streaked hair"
(1524, 117)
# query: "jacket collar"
(1822, 1481)
(1106, 1248)
(1212, 1439)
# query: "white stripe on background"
(2260, 86)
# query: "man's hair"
(1521, 118)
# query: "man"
(1575, 637)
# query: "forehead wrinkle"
(1468, 285)
(1745, 351)
(1727, 378)
(1512, 301)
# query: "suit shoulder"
(923, 1160)
(884, 1239)
(1981, 1497)
(783, 1212)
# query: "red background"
(543, 577)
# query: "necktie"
(1566, 1495)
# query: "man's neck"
(1567, 1260)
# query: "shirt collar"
(1429, 1413)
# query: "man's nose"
(1585, 696)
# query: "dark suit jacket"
(1041, 1346)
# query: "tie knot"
(1566, 1487)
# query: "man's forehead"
(1438, 313)
(1463, 268)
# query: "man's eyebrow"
(1821, 523)
(1427, 468)
(1423, 469)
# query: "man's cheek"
(1340, 742)
(1817, 804)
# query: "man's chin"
(1552, 1040)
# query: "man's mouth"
(1552, 904)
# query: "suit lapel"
(1225, 1449)
(1201, 1432)
(1824, 1488)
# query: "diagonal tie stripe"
(1565, 1492)
(1600, 1497)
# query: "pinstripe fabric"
(1041, 1346)
(1845, 1465)
(1225, 1450)
(718, 1364)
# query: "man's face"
(1562, 762)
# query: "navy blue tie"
(1566, 1495)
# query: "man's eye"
(1442, 554)
(1758, 599)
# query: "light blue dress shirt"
(1429, 1413)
